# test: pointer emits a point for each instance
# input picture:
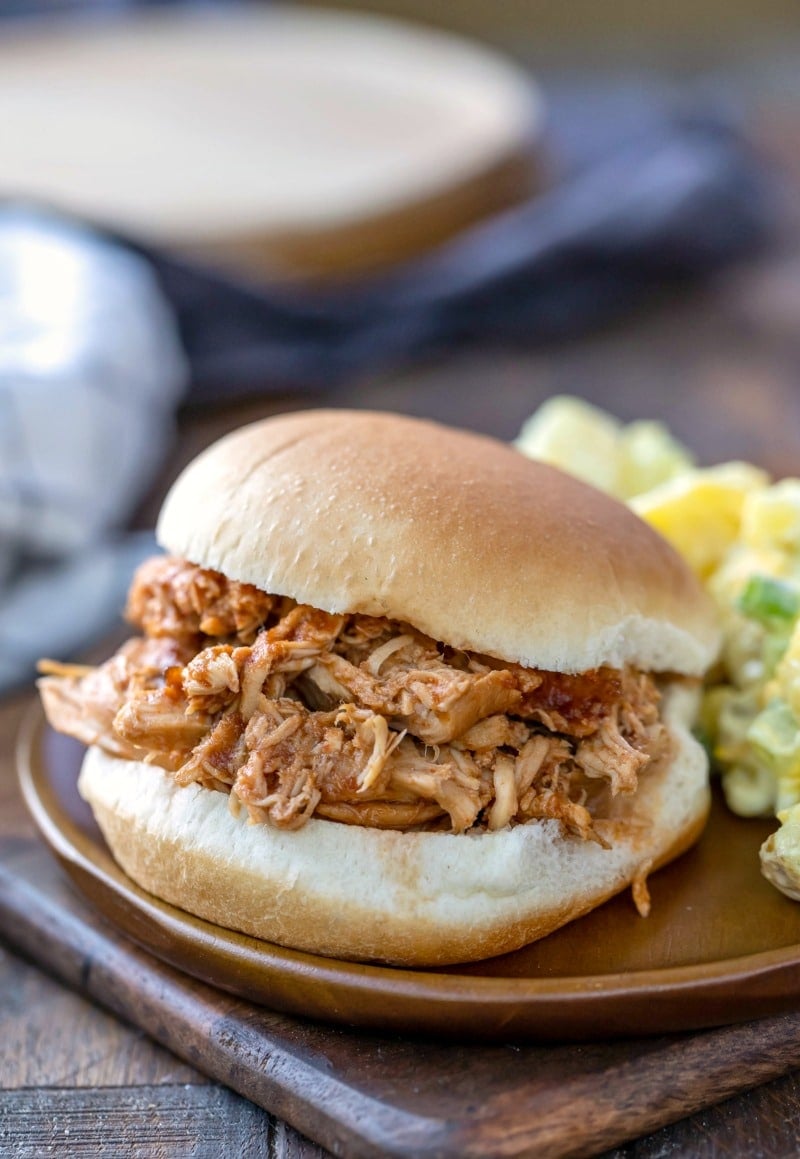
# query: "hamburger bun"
(412, 899)
(485, 552)
(457, 534)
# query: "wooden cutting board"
(374, 1095)
(295, 141)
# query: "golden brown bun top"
(459, 535)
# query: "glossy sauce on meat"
(300, 713)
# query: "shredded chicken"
(640, 891)
(86, 706)
(608, 754)
(431, 700)
(292, 646)
(297, 713)
(170, 597)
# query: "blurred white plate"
(315, 139)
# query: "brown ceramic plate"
(721, 945)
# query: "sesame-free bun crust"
(405, 898)
(459, 535)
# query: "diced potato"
(739, 564)
(575, 436)
(649, 456)
(775, 740)
(780, 854)
(700, 511)
(749, 790)
(742, 650)
(771, 517)
(587, 442)
(787, 674)
(734, 711)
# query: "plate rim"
(430, 988)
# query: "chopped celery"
(767, 599)
(775, 740)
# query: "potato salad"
(740, 531)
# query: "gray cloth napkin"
(664, 197)
(91, 371)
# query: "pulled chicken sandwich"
(397, 693)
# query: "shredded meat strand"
(85, 706)
(296, 713)
(434, 702)
(640, 891)
(169, 597)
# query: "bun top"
(457, 534)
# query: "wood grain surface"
(722, 365)
(367, 1094)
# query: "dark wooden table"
(722, 367)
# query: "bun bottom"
(409, 899)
